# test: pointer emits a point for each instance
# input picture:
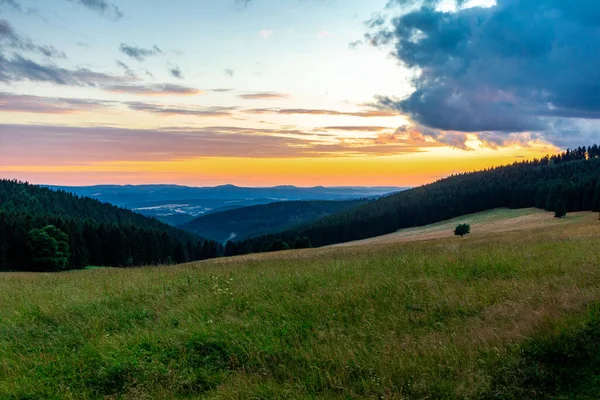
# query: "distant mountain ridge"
(176, 204)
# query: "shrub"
(462, 230)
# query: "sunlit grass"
(473, 317)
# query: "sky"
(302, 92)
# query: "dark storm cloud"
(101, 6)
(507, 68)
(139, 53)
(11, 39)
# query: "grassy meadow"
(496, 315)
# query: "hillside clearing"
(493, 221)
(511, 314)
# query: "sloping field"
(506, 315)
(493, 221)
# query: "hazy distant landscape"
(177, 205)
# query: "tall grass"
(494, 316)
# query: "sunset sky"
(303, 92)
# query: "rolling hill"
(493, 315)
(572, 177)
(482, 223)
(241, 223)
(97, 233)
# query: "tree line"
(33, 221)
(572, 177)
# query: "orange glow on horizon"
(403, 170)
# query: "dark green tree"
(302, 243)
(596, 197)
(231, 249)
(462, 230)
(278, 245)
(561, 209)
(49, 248)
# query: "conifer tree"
(560, 210)
(596, 198)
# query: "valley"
(178, 205)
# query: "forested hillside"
(572, 176)
(241, 223)
(88, 233)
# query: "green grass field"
(509, 315)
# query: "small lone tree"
(49, 248)
(462, 230)
(561, 209)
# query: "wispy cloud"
(266, 34)
(14, 4)
(126, 68)
(101, 6)
(48, 105)
(264, 96)
(154, 90)
(229, 72)
(357, 128)
(64, 145)
(356, 44)
(139, 53)
(303, 111)
(10, 38)
(170, 110)
(175, 72)
(59, 105)
(19, 68)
